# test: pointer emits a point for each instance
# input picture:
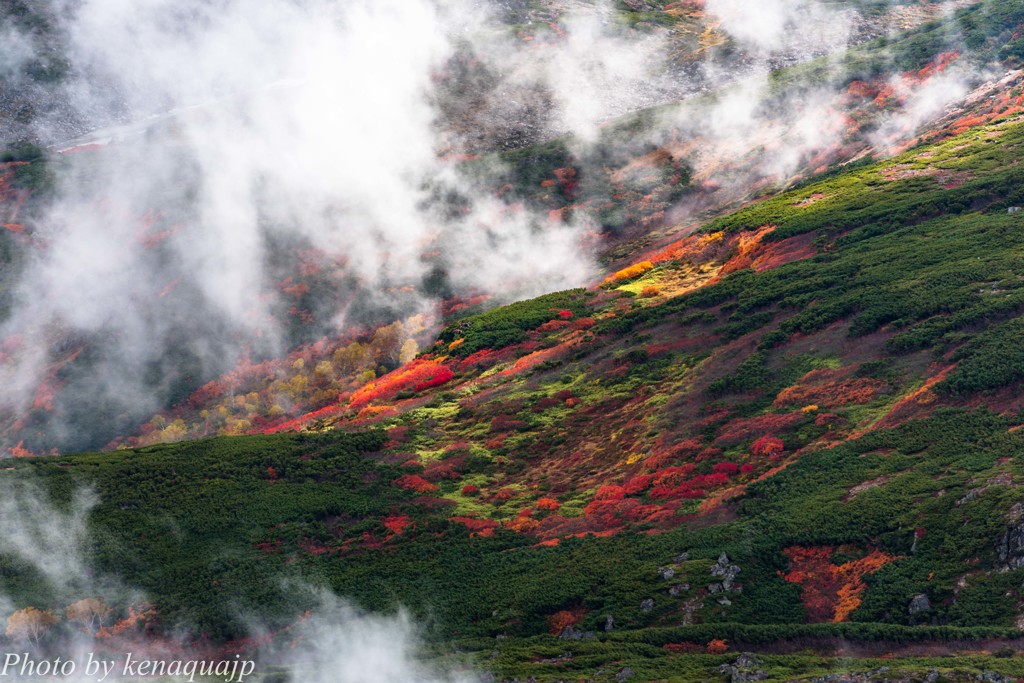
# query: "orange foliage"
(717, 647)
(831, 592)
(831, 394)
(418, 374)
(767, 445)
(548, 504)
(630, 273)
(522, 524)
(20, 451)
(559, 621)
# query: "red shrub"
(548, 504)
(470, 490)
(727, 468)
(414, 482)
(716, 479)
(639, 483)
(483, 527)
(443, 376)
(717, 647)
(559, 621)
(396, 524)
(506, 423)
(767, 445)
(610, 492)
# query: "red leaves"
(548, 504)
(610, 492)
(744, 428)
(396, 524)
(639, 484)
(767, 446)
(506, 423)
(470, 490)
(477, 527)
(830, 394)
(443, 376)
(418, 375)
(414, 482)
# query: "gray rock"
(681, 557)
(745, 669)
(571, 633)
(609, 623)
(726, 571)
(932, 677)
(647, 605)
(1011, 547)
(624, 675)
(993, 677)
(678, 589)
(666, 573)
(919, 603)
(1013, 209)
(724, 601)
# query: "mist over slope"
(228, 182)
(581, 334)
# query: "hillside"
(775, 438)
(822, 387)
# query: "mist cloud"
(334, 642)
(237, 136)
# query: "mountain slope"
(799, 425)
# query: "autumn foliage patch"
(831, 592)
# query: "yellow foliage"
(90, 613)
(409, 350)
(711, 238)
(809, 409)
(635, 458)
(30, 624)
(457, 343)
(632, 272)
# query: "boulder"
(1011, 547)
(745, 669)
(919, 603)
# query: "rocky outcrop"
(1011, 547)
(919, 603)
(571, 633)
(727, 572)
(745, 669)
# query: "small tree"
(30, 624)
(90, 613)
